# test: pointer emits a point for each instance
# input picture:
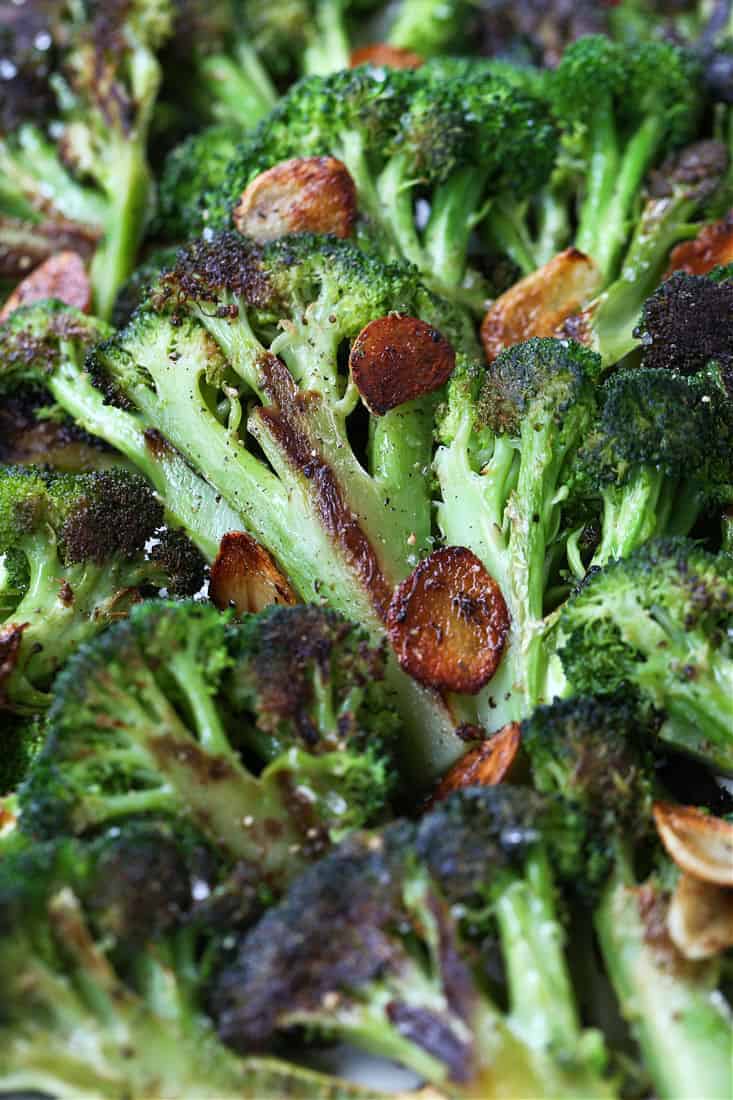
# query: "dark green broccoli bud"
(504, 471)
(658, 454)
(193, 171)
(22, 738)
(593, 751)
(93, 171)
(620, 107)
(182, 564)
(46, 347)
(688, 322)
(83, 537)
(151, 718)
(337, 495)
(366, 946)
(682, 195)
(141, 1038)
(659, 623)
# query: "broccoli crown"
(688, 322)
(193, 171)
(591, 751)
(681, 427)
(34, 339)
(539, 378)
(181, 563)
(309, 677)
(158, 714)
(343, 948)
(681, 590)
(649, 80)
(283, 277)
(95, 517)
(473, 116)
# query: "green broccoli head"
(162, 715)
(659, 623)
(533, 381)
(22, 738)
(686, 324)
(35, 338)
(76, 556)
(593, 752)
(193, 171)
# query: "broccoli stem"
(630, 514)
(506, 229)
(328, 50)
(681, 1023)
(396, 189)
(553, 220)
(454, 212)
(240, 89)
(128, 195)
(189, 501)
(34, 178)
(603, 168)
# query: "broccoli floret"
(45, 346)
(193, 171)
(620, 107)
(683, 194)
(368, 946)
(143, 1033)
(688, 322)
(133, 292)
(161, 715)
(658, 454)
(242, 342)
(83, 537)
(595, 754)
(504, 470)
(403, 136)
(659, 623)
(93, 171)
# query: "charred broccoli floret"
(659, 453)
(102, 86)
(80, 1021)
(76, 548)
(368, 946)
(45, 347)
(165, 714)
(688, 322)
(509, 436)
(659, 622)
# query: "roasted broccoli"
(74, 559)
(659, 623)
(239, 344)
(504, 468)
(369, 946)
(100, 88)
(596, 754)
(273, 736)
(688, 323)
(659, 453)
(44, 348)
(80, 1022)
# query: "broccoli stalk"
(620, 107)
(153, 717)
(45, 346)
(376, 956)
(240, 342)
(659, 452)
(593, 752)
(507, 444)
(678, 1016)
(659, 622)
(75, 1028)
(76, 545)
